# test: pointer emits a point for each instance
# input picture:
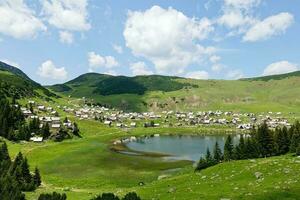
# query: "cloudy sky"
(56, 40)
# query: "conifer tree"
(25, 172)
(131, 196)
(37, 177)
(228, 149)
(46, 131)
(242, 148)
(5, 161)
(76, 130)
(265, 141)
(208, 156)
(217, 153)
(4, 155)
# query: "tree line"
(14, 126)
(261, 142)
(15, 176)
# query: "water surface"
(179, 147)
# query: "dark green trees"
(11, 118)
(37, 177)
(228, 149)
(111, 196)
(15, 176)
(218, 156)
(53, 196)
(131, 196)
(106, 196)
(46, 131)
(264, 140)
(76, 130)
(209, 159)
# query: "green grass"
(87, 167)
(280, 95)
(83, 167)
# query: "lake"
(179, 147)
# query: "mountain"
(14, 82)
(142, 93)
(274, 77)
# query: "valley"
(82, 167)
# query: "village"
(164, 119)
(45, 115)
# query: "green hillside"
(274, 77)
(15, 83)
(277, 93)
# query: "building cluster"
(111, 117)
(46, 115)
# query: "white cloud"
(49, 70)
(234, 74)
(236, 19)
(168, 38)
(11, 63)
(271, 26)
(118, 48)
(217, 67)
(238, 16)
(96, 61)
(67, 14)
(197, 75)
(242, 4)
(281, 67)
(18, 20)
(66, 37)
(140, 68)
(215, 59)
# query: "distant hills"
(15, 83)
(274, 77)
(155, 92)
(102, 84)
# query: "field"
(84, 167)
(236, 95)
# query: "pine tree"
(295, 137)
(242, 148)
(9, 189)
(265, 141)
(37, 177)
(208, 156)
(76, 130)
(4, 155)
(228, 149)
(25, 171)
(17, 162)
(5, 161)
(285, 143)
(236, 153)
(202, 164)
(46, 131)
(217, 153)
(131, 196)
(53, 196)
(295, 141)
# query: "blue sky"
(57, 40)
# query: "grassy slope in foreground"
(238, 95)
(87, 167)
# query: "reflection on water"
(179, 147)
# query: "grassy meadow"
(84, 167)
